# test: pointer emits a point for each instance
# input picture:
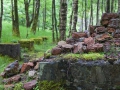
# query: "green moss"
(44, 38)
(88, 56)
(27, 43)
(37, 40)
(92, 56)
(47, 55)
(50, 85)
(18, 86)
(71, 56)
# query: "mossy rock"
(44, 38)
(37, 40)
(27, 43)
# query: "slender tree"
(53, 21)
(112, 5)
(63, 19)
(119, 6)
(108, 6)
(1, 14)
(44, 15)
(70, 24)
(91, 15)
(98, 7)
(85, 14)
(75, 15)
(28, 20)
(15, 19)
(36, 14)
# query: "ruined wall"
(83, 75)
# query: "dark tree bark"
(28, 21)
(56, 30)
(119, 6)
(112, 5)
(63, 19)
(82, 16)
(97, 17)
(91, 15)
(15, 19)
(70, 24)
(1, 13)
(44, 16)
(85, 14)
(102, 6)
(53, 29)
(36, 15)
(75, 15)
(108, 6)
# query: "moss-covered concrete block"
(27, 43)
(44, 38)
(37, 40)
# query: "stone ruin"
(97, 39)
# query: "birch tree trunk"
(63, 19)
(75, 15)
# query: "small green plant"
(18, 86)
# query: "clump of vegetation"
(71, 56)
(18, 86)
(4, 61)
(92, 56)
(49, 85)
(85, 56)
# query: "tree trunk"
(28, 21)
(36, 14)
(97, 17)
(119, 6)
(91, 16)
(15, 19)
(1, 13)
(112, 5)
(63, 19)
(108, 6)
(56, 30)
(75, 14)
(53, 29)
(85, 14)
(70, 24)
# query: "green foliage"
(1, 87)
(49, 85)
(18, 86)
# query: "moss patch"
(50, 85)
(27, 43)
(88, 56)
(44, 38)
(37, 40)
(92, 56)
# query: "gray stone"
(84, 75)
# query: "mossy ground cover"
(85, 56)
